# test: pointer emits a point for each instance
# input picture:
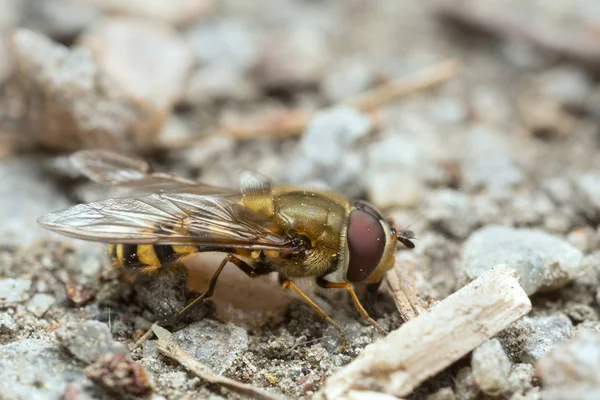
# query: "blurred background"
(448, 115)
(454, 114)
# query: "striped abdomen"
(148, 257)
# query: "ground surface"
(511, 140)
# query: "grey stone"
(22, 187)
(150, 61)
(388, 189)
(7, 324)
(328, 149)
(164, 11)
(40, 303)
(33, 369)
(451, 211)
(466, 389)
(520, 378)
(540, 259)
(540, 334)
(331, 132)
(530, 209)
(560, 190)
(224, 43)
(219, 83)
(14, 290)
(347, 79)
(572, 369)
(587, 188)
(71, 102)
(297, 56)
(491, 368)
(487, 163)
(565, 85)
(88, 340)
(443, 394)
(213, 343)
(60, 19)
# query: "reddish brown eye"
(366, 242)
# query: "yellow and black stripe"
(148, 257)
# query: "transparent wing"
(168, 218)
(109, 168)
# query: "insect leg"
(363, 313)
(286, 283)
(213, 281)
(370, 298)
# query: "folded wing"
(169, 218)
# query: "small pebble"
(150, 61)
(541, 260)
(491, 367)
(465, 388)
(451, 212)
(587, 198)
(487, 163)
(71, 102)
(40, 303)
(14, 291)
(520, 378)
(36, 369)
(443, 394)
(88, 340)
(7, 323)
(530, 338)
(572, 369)
(216, 344)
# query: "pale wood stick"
(406, 296)
(432, 341)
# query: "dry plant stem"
(173, 351)
(401, 282)
(577, 47)
(419, 81)
(290, 123)
(429, 343)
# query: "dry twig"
(401, 282)
(173, 351)
(288, 123)
(419, 81)
(429, 343)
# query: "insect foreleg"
(363, 313)
(286, 283)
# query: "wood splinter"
(427, 344)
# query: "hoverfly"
(262, 228)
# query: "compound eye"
(367, 207)
(366, 242)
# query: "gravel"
(542, 261)
(215, 344)
(14, 291)
(491, 368)
(40, 303)
(498, 165)
(529, 339)
(88, 340)
(572, 369)
(33, 369)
